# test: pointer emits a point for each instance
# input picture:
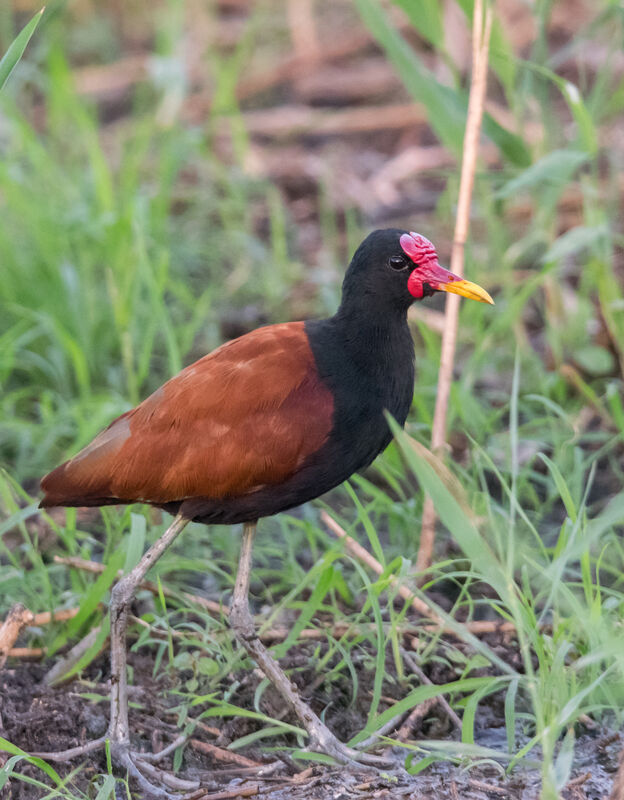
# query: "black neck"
(374, 337)
(367, 360)
(361, 303)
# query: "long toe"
(154, 783)
(324, 741)
(371, 760)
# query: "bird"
(265, 422)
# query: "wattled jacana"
(264, 423)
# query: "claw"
(136, 766)
(324, 741)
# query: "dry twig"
(46, 617)
(96, 567)
(617, 791)
(17, 619)
(480, 49)
(219, 754)
(416, 715)
(27, 653)
(291, 121)
(488, 788)
(228, 794)
(303, 33)
(366, 558)
(475, 627)
(411, 663)
(579, 780)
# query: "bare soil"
(39, 718)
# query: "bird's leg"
(118, 729)
(321, 738)
(121, 597)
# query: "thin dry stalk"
(302, 25)
(416, 715)
(617, 791)
(356, 549)
(480, 50)
(482, 627)
(228, 794)
(27, 653)
(289, 121)
(219, 754)
(56, 674)
(488, 788)
(366, 558)
(17, 619)
(46, 617)
(441, 700)
(97, 568)
(579, 780)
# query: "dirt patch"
(36, 717)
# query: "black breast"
(369, 372)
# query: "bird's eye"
(397, 262)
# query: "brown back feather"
(246, 415)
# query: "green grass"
(123, 247)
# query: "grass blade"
(446, 108)
(90, 602)
(8, 747)
(552, 171)
(17, 47)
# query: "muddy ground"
(39, 718)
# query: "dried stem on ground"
(303, 33)
(17, 619)
(488, 788)
(46, 617)
(219, 754)
(97, 568)
(617, 792)
(288, 121)
(229, 794)
(416, 715)
(481, 30)
(475, 627)
(27, 653)
(411, 663)
(366, 558)
(56, 674)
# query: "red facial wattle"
(419, 249)
(428, 272)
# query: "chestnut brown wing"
(241, 418)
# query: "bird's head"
(399, 267)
